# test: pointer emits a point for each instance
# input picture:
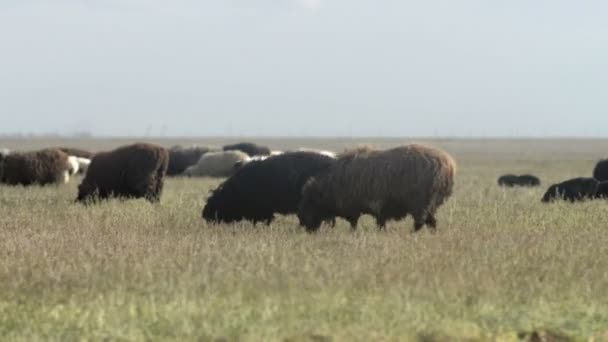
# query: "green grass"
(501, 264)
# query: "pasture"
(502, 264)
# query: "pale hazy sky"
(305, 67)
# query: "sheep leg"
(381, 222)
(431, 222)
(160, 182)
(419, 221)
(353, 220)
(331, 222)
(418, 226)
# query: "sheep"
(133, 171)
(180, 158)
(78, 165)
(390, 184)
(260, 189)
(250, 148)
(44, 167)
(83, 164)
(600, 172)
(522, 180)
(572, 190)
(216, 164)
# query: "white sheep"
(216, 164)
(83, 164)
(73, 166)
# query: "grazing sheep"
(523, 180)
(576, 189)
(133, 171)
(251, 149)
(76, 152)
(600, 172)
(260, 189)
(508, 180)
(388, 184)
(216, 164)
(529, 180)
(180, 158)
(49, 166)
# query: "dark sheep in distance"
(260, 189)
(600, 172)
(529, 180)
(508, 180)
(250, 148)
(390, 184)
(523, 180)
(180, 158)
(48, 166)
(133, 171)
(572, 190)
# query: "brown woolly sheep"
(133, 171)
(388, 184)
(49, 166)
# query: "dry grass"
(501, 263)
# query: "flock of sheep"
(572, 190)
(317, 186)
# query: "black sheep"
(522, 180)
(260, 189)
(576, 189)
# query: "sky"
(433, 68)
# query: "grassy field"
(502, 264)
